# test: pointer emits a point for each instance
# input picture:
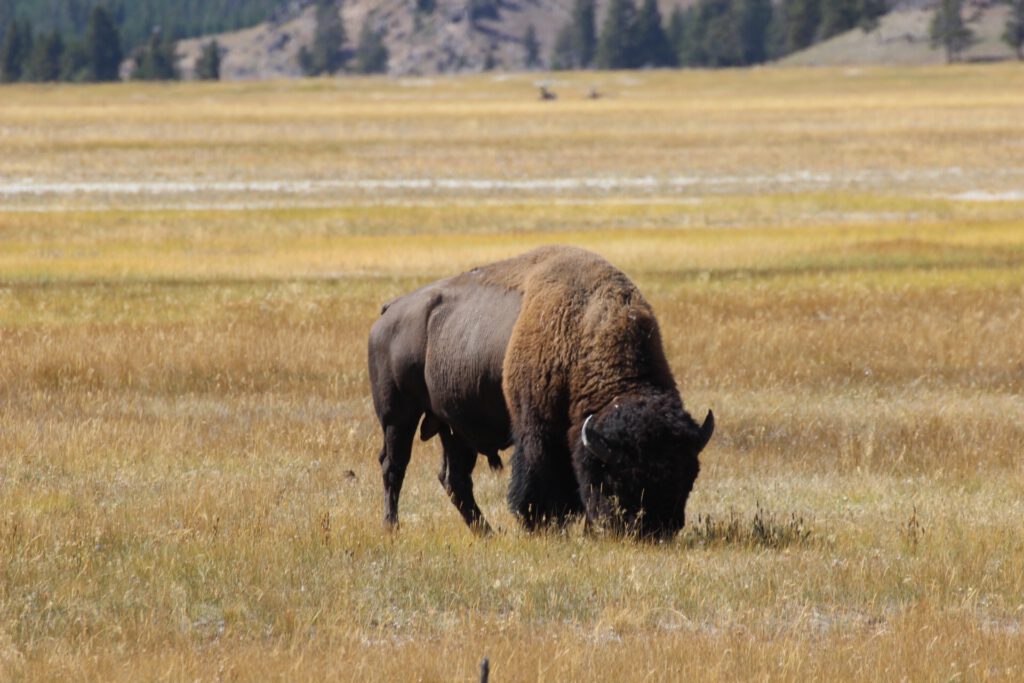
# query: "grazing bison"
(556, 351)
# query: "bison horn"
(593, 441)
(707, 429)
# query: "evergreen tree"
(691, 52)
(44, 64)
(652, 40)
(563, 55)
(208, 64)
(482, 9)
(838, 16)
(948, 30)
(776, 46)
(584, 32)
(870, 12)
(372, 54)
(531, 46)
(490, 59)
(15, 51)
(576, 42)
(156, 61)
(677, 34)
(103, 46)
(755, 17)
(713, 35)
(75, 65)
(6, 12)
(802, 20)
(326, 55)
(618, 46)
(1013, 34)
(722, 43)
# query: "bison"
(557, 352)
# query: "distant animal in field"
(557, 352)
(546, 94)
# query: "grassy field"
(188, 478)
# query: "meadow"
(189, 487)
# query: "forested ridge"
(136, 19)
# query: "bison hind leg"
(394, 459)
(456, 476)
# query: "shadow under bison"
(557, 352)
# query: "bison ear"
(706, 430)
(595, 443)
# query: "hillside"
(445, 40)
(419, 43)
(902, 38)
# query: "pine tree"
(156, 61)
(618, 46)
(584, 33)
(802, 20)
(755, 22)
(776, 44)
(948, 30)
(15, 51)
(75, 65)
(326, 56)
(531, 46)
(372, 54)
(208, 64)
(6, 12)
(482, 9)
(44, 65)
(677, 33)
(563, 55)
(1013, 34)
(722, 43)
(652, 40)
(102, 46)
(838, 16)
(870, 12)
(576, 42)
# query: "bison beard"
(558, 352)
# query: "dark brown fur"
(529, 348)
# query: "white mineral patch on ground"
(55, 194)
(983, 196)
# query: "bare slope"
(902, 38)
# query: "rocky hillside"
(445, 40)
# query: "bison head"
(636, 461)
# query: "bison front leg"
(543, 488)
(394, 459)
(457, 478)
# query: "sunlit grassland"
(188, 476)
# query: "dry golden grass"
(188, 481)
